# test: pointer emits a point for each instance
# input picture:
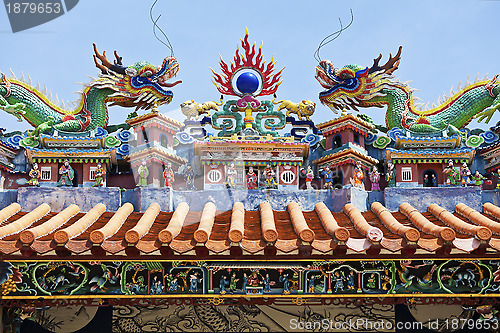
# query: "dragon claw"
(488, 113)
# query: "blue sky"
(443, 43)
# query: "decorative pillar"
(329, 291)
(210, 280)
(359, 282)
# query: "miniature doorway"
(429, 178)
(338, 180)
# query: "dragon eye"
(247, 81)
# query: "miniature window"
(92, 173)
(46, 173)
(337, 141)
(214, 176)
(356, 138)
(406, 174)
(287, 177)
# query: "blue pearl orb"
(247, 83)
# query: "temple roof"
(239, 232)
(347, 120)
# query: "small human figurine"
(351, 280)
(143, 172)
(99, 176)
(223, 283)
(267, 284)
(357, 180)
(174, 284)
(478, 179)
(371, 282)
(328, 174)
(375, 178)
(67, 175)
(35, 176)
(339, 281)
(434, 180)
(245, 283)
(309, 178)
(465, 173)
(310, 284)
(168, 175)
(253, 280)
(269, 174)
(427, 182)
(498, 182)
(251, 179)
(390, 175)
(194, 279)
(286, 283)
(232, 283)
(451, 174)
(231, 176)
(189, 178)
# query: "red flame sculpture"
(270, 81)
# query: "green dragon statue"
(141, 85)
(353, 86)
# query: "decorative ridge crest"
(228, 82)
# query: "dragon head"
(354, 86)
(141, 85)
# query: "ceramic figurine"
(451, 174)
(231, 176)
(35, 176)
(434, 180)
(67, 175)
(143, 172)
(168, 175)
(375, 178)
(253, 280)
(357, 180)
(309, 178)
(371, 282)
(245, 283)
(267, 284)
(189, 178)
(390, 175)
(466, 174)
(251, 179)
(269, 173)
(478, 179)
(310, 284)
(328, 174)
(99, 176)
(351, 280)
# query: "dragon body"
(141, 85)
(354, 87)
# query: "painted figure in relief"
(35, 175)
(223, 283)
(99, 176)
(168, 175)
(375, 178)
(286, 283)
(251, 179)
(143, 172)
(67, 175)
